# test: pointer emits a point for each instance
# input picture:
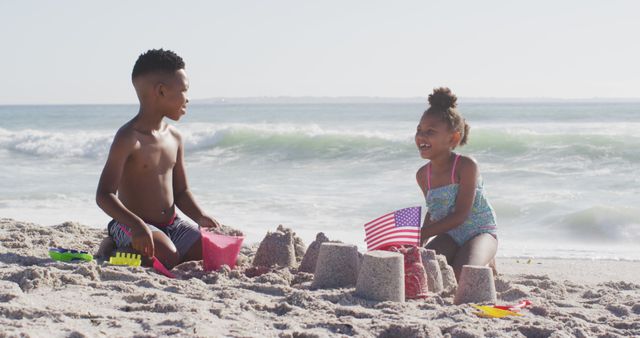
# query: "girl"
(459, 215)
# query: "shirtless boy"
(145, 167)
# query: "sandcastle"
(337, 266)
(279, 248)
(434, 275)
(310, 258)
(449, 281)
(476, 285)
(427, 254)
(381, 277)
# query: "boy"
(145, 167)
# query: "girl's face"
(433, 137)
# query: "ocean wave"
(603, 223)
(535, 146)
(296, 141)
(55, 144)
(303, 141)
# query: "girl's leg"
(443, 244)
(479, 250)
(494, 267)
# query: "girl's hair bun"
(443, 98)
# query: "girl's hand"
(206, 221)
(424, 236)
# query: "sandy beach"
(40, 297)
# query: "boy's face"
(174, 95)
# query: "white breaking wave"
(56, 144)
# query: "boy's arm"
(108, 186)
(182, 195)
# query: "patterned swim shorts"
(181, 232)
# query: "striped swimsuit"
(442, 201)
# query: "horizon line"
(350, 99)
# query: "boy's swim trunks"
(181, 232)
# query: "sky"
(68, 52)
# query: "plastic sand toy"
(523, 304)
(68, 255)
(487, 311)
(122, 258)
(218, 250)
(159, 267)
(130, 259)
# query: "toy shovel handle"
(516, 307)
(159, 267)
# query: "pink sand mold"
(476, 285)
(381, 277)
(310, 258)
(219, 250)
(337, 266)
(416, 281)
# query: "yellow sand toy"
(122, 258)
(492, 312)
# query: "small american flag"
(395, 228)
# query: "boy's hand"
(142, 241)
(207, 222)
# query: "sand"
(40, 297)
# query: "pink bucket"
(218, 250)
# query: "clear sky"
(83, 51)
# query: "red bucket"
(415, 277)
(218, 250)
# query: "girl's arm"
(468, 172)
(424, 237)
(421, 178)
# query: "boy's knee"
(172, 260)
(168, 258)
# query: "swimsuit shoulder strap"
(453, 170)
(429, 176)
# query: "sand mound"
(40, 297)
(280, 248)
(310, 258)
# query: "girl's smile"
(432, 137)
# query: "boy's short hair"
(157, 60)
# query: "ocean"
(562, 176)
